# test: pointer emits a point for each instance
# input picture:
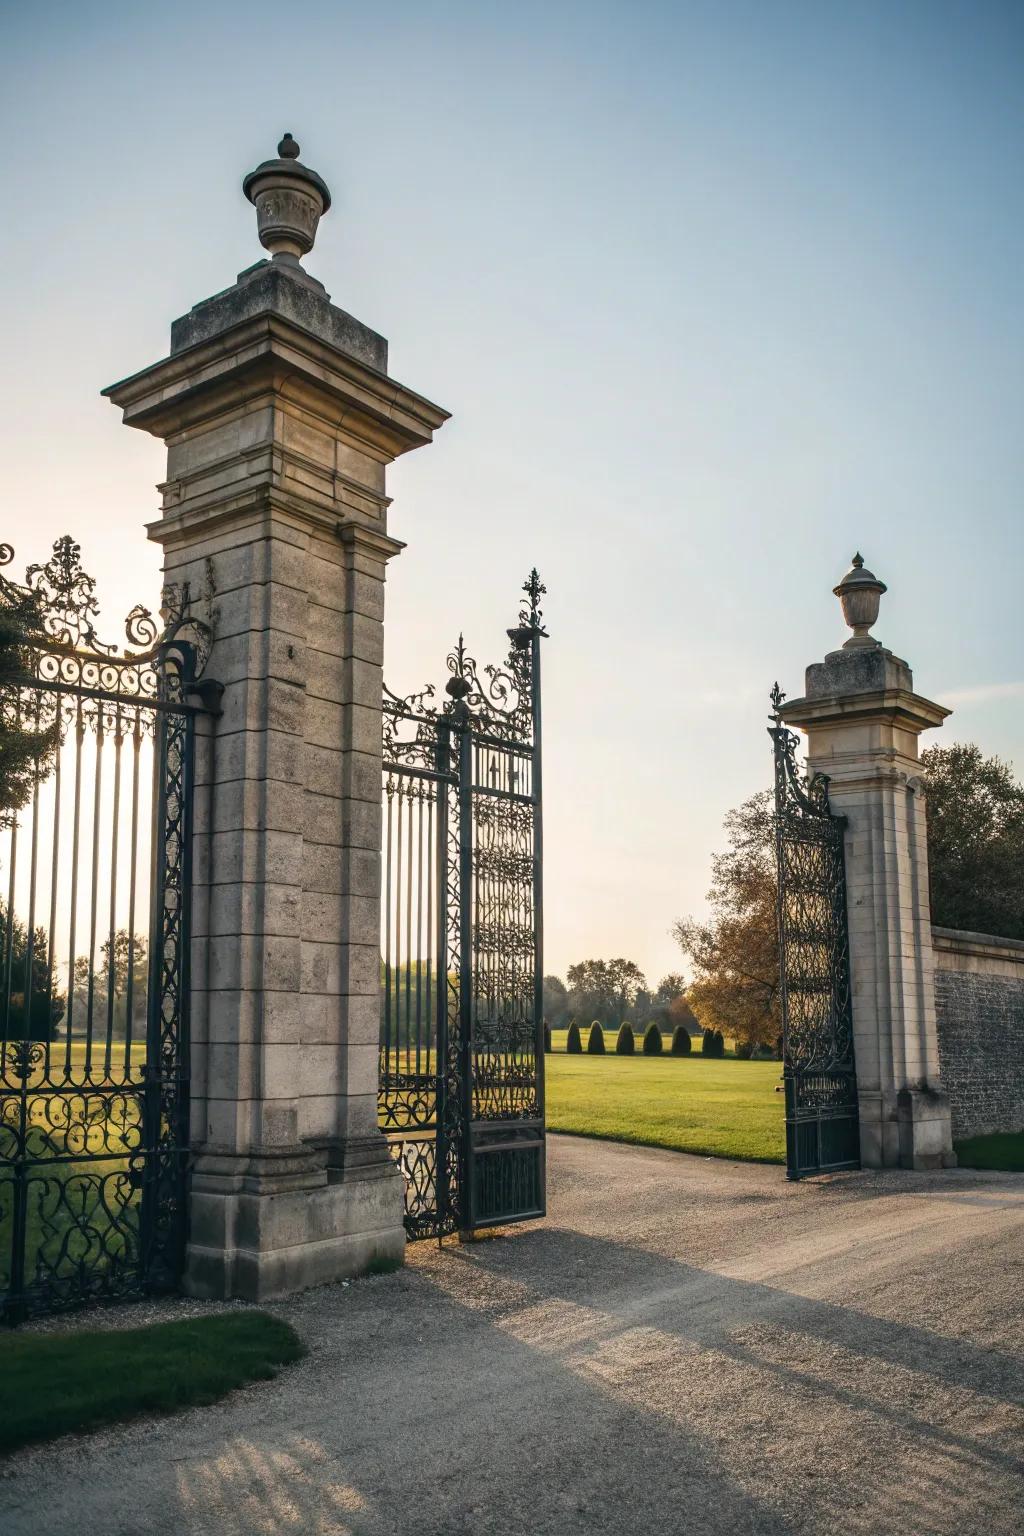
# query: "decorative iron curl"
(499, 699)
(796, 792)
(72, 651)
(67, 595)
(140, 627)
(414, 714)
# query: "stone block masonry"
(979, 1005)
(280, 421)
(863, 720)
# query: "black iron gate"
(94, 944)
(461, 1095)
(822, 1130)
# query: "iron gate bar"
(93, 1143)
(822, 1117)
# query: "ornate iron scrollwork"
(814, 964)
(461, 1056)
(94, 952)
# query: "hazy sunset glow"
(716, 294)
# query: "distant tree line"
(614, 992)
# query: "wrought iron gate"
(822, 1130)
(94, 945)
(461, 1094)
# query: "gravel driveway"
(684, 1346)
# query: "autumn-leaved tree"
(975, 810)
(735, 952)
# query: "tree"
(679, 1015)
(625, 1044)
(669, 988)
(28, 739)
(45, 1007)
(595, 1040)
(573, 1043)
(556, 1001)
(628, 981)
(128, 950)
(652, 1040)
(590, 989)
(975, 810)
(606, 989)
(736, 951)
(682, 1045)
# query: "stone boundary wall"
(979, 1005)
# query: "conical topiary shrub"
(707, 1043)
(595, 1040)
(719, 1043)
(573, 1043)
(681, 1041)
(625, 1045)
(547, 1038)
(652, 1040)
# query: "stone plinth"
(863, 720)
(280, 419)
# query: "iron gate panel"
(822, 1125)
(94, 950)
(461, 1081)
(419, 1102)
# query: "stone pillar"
(280, 419)
(863, 719)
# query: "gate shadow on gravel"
(634, 1288)
(555, 1383)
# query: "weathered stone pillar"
(280, 418)
(863, 720)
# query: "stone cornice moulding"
(978, 946)
(890, 706)
(189, 486)
(272, 355)
(369, 540)
(263, 508)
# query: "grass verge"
(1004, 1152)
(56, 1384)
(720, 1108)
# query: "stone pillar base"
(908, 1129)
(279, 1221)
(926, 1129)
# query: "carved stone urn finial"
(860, 593)
(289, 200)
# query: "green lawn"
(723, 1108)
(54, 1384)
(79, 1209)
(1004, 1152)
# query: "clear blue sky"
(715, 292)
